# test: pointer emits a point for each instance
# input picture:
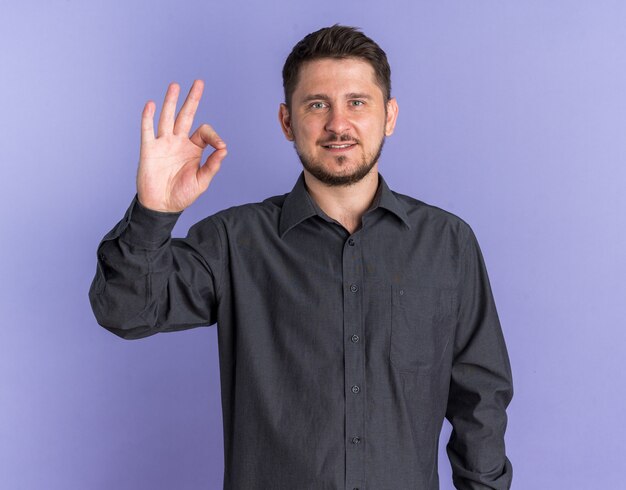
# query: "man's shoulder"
(419, 211)
(267, 210)
(268, 206)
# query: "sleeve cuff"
(147, 228)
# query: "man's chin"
(337, 177)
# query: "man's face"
(338, 119)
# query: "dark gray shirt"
(340, 354)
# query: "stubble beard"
(316, 168)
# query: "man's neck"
(345, 204)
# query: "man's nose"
(338, 121)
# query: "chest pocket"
(422, 322)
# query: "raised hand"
(170, 176)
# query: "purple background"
(512, 115)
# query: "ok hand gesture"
(170, 176)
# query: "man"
(351, 319)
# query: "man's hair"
(337, 42)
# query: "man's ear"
(392, 116)
(285, 121)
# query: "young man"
(351, 319)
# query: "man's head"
(338, 106)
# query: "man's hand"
(170, 177)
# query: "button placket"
(354, 362)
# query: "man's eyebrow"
(311, 97)
(351, 95)
(355, 95)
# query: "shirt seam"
(223, 258)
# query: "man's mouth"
(339, 146)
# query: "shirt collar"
(299, 205)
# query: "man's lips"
(337, 147)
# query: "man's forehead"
(345, 75)
(326, 66)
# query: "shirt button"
(401, 292)
(354, 288)
(354, 338)
(351, 242)
(356, 440)
(355, 389)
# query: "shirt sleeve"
(147, 282)
(481, 383)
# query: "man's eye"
(317, 105)
(357, 102)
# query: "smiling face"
(338, 119)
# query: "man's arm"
(145, 281)
(481, 383)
